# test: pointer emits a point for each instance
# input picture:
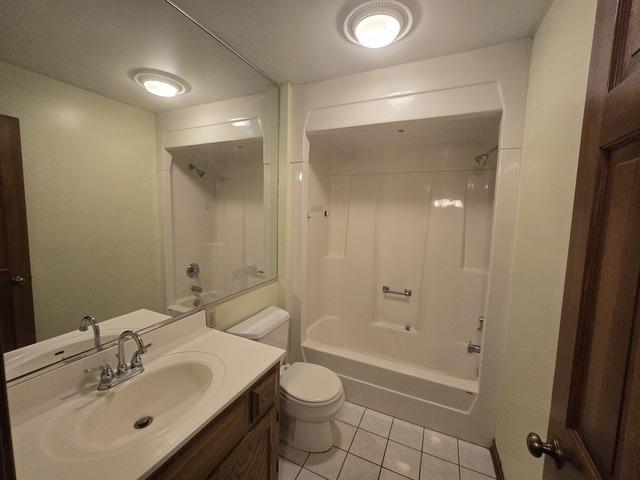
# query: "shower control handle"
(406, 292)
(193, 270)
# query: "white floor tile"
(287, 470)
(466, 474)
(368, 446)
(350, 413)
(402, 459)
(327, 464)
(355, 468)
(376, 422)
(308, 475)
(389, 475)
(293, 454)
(440, 445)
(406, 433)
(476, 458)
(434, 468)
(343, 434)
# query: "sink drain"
(143, 422)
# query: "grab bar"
(406, 293)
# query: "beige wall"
(553, 122)
(89, 170)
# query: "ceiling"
(94, 44)
(480, 128)
(301, 41)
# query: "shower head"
(482, 159)
(198, 171)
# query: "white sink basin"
(171, 389)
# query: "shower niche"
(399, 227)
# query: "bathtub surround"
(482, 81)
(404, 214)
(225, 220)
(555, 105)
(87, 160)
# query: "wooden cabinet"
(240, 443)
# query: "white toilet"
(310, 395)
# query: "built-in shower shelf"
(396, 328)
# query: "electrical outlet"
(211, 318)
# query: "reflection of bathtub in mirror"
(58, 349)
(186, 304)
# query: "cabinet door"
(256, 456)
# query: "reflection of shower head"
(198, 171)
(482, 159)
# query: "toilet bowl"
(310, 395)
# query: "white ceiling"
(301, 41)
(93, 44)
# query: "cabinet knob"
(18, 280)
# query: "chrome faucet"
(109, 378)
(473, 348)
(84, 326)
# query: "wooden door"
(16, 303)
(594, 427)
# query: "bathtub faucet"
(473, 348)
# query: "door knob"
(551, 448)
(18, 280)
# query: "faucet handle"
(136, 360)
(106, 372)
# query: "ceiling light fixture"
(378, 23)
(160, 83)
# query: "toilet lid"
(310, 383)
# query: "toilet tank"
(270, 326)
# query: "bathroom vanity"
(205, 406)
(241, 442)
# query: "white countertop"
(36, 403)
(32, 357)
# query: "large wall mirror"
(146, 155)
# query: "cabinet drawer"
(264, 394)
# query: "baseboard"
(495, 457)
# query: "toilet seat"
(309, 384)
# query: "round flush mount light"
(160, 83)
(378, 23)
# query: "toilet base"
(307, 436)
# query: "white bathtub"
(378, 359)
(186, 304)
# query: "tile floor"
(369, 445)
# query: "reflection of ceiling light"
(378, 23)
(160, 83)
(241, 123)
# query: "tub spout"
(473, 348)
